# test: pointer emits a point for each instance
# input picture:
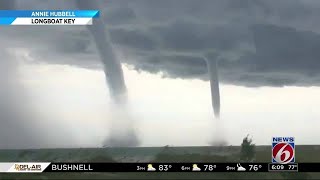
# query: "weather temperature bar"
(36, 167)
(157, 167)
(181, 167)
(161, 167)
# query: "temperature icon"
(240, 168)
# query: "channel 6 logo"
(283, 150)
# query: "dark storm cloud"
(134, 39)
(120, 15)
(175, 66)
(190, 36)
(6, 4)
(256, 42)
(288, 50)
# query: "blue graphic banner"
(6, 21)
(9, 14)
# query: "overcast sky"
(54, 93)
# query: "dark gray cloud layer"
(256, 42)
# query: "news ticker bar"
(34, 167)
(48, 17)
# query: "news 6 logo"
(283, 150)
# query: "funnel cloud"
(114, 77)
(112, 66)
(214, 84)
